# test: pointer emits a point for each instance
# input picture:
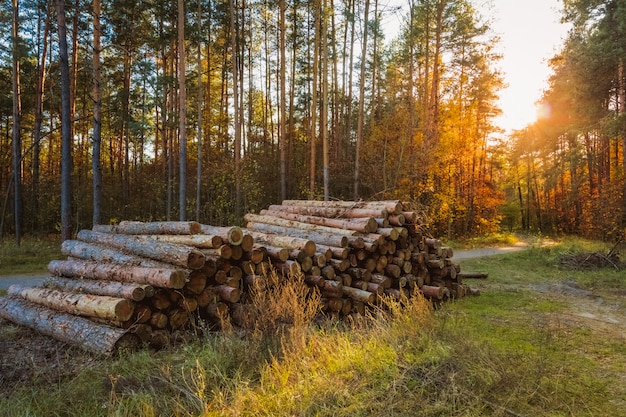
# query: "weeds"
(32, 255)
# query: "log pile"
(137, 282)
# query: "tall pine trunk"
(182, 112)
(66, 127)
(96, 163)
(17, 138)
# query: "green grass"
(511, 351)
(31, 256)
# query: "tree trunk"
(197, 241)
(94, 337)
(66, 127)
(363, 224)
(182, 113)
(17, 134)
(179, 255)
(158, 277)
(134, 292)
(361, 115)
(96, 163)
(104, 307)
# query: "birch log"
(158, 277)
(179, 255)
(134, 292)
(94, 337)
(104, 307)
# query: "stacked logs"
(147, 282)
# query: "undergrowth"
(508, 352)
(32, 255)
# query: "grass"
(513, 351)
(31, 256)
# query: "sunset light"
(531, 33)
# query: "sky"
(530, 35)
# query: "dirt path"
(29, 280)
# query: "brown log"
(134, 292)
(228, 294)
(276, 253)
(472, 275)
(433, 292)
(104, 307)
(359, 295)
(161, 300)
(167, 278)
(178, 318)
(320, 259)
(328, 272)
(151, 228)
(397, 294)
(179, 255)
(141, 314)
(331, 304)
(197, 241)
(340, 264)
(257, 254)
(94, 337)
(322, 238)
(359, 274)
(188, 304)
(393, 271)
(158, 320)
(383, 280)
(233, 235)
(316, 280)
(197, 282)
(363, 224)
(397, 219)
(410, 217)
(336, 252)
(286, 241)
(236, 252)
(247, 242)
(345, 279)
(206, 297)
(330, 212)
(392, 206)
(224, 251)
(391, 232)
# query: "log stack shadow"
(139, 283)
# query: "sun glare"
(530, 34)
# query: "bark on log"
(322, 238)
(275, 252)
(287, 242)
(433, 292)
(179, 255)
(94, 337)
(197, 241)
(363, 224)
(134, 292)
(359, 295)
(167, 278)
(233, 235)
(111, 308)
(329, 212)
(392, 206)
(151, 228)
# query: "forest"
(117, 110)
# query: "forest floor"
(27, 356)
